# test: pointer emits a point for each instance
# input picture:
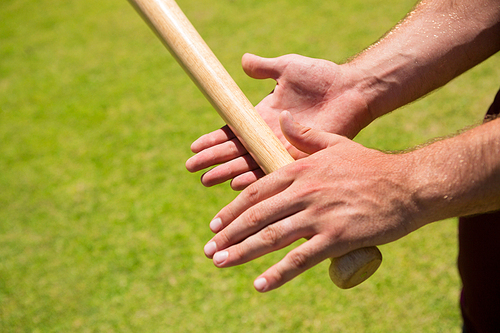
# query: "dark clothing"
(479, 264)
(494, 110)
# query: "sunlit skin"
(345, 196)
(314, 90)
(338, 194)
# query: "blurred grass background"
(101, 227)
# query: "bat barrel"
(177, 33)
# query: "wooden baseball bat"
(173, 28)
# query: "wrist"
(359, 95)
(432, 186)
(383, 82)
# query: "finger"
(220, 153)
(272, 238)
(305, 138)
(261, 68)
(293, 264)
(241, 182)
(237, 222)
(229, 170)
(211, 139)
(256, 193)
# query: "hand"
(342, 197)
(318, 93)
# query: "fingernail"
(210, 249)
(216, 225)
(260, 284)
(220, 257)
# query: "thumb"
(305, 138)
(260, 68)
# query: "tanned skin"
(338, 194)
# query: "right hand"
(318, 93)
(340, 198)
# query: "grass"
(101, 227)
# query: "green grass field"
(102, 228)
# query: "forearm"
(439, 40)
(458, 176)
(436, 42)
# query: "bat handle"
(355, 267)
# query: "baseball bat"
(177, 33)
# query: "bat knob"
(355, 267)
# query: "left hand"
(342, 197)
(319, 93)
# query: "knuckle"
(222, 239)
(253, 218)
(298, 260)
(299, 167)
(237, 255)
(271, 236)
(228, 214)
(290, 58)
(252, 194)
